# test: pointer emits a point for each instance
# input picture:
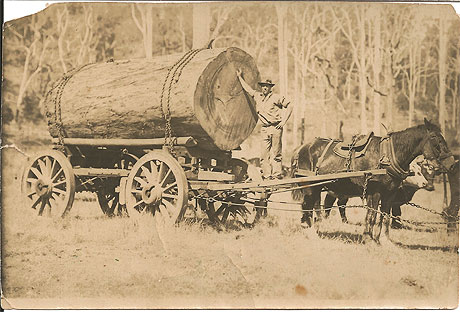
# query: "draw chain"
(442, 214)
(176, 71)
(411, 222)
(366, 182)
(350, 153)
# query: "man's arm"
(245, 86)
(287, 111)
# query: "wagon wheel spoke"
(226, 213)
(169, 187)
(154, 172)
(141, 181)
(165, 177)
(57, 174)
(220, 209)
(170, 196)
(37, 173)
(39, 199)
(42, 206)
(59, 183)
(43, 168)
(161, 173)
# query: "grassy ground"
(88, 260)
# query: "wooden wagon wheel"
(48, 184)
(229, 207)
(107, 196)
(157, 184)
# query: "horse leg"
(307, 212)
(369, 224)
(371, 216)
(328, 203)
(373, 222)
(342, 203)
(396, 213)
(384, 219)
(317, 205)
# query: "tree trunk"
(377, 68)
(362, 65)
(122, 99)
(297, 109)
(442, 73)
(281, 10)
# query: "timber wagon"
(149, 136)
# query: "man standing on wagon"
(274, 111)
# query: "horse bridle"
(436, 145)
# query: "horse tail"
(301, 158)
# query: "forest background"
(347, 67)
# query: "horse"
(450, 212)
(394, 153)
(422, 178)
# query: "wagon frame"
(136, 176)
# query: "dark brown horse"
(422, 179)
(393, 153)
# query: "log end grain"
(222, 107)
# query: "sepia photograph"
(230, 155)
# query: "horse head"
(435, 149)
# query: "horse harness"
(358, 148)
(388, 159)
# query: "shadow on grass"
(343, 236)
(205, 223)
(424, 247)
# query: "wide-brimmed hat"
(266, 82)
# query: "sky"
(17, 8)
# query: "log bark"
(122, 99)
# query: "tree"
(353, 27)
(412, 69)
(281, 11)
(30, 40)
(442, 72)
(145, 25)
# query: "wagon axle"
(152, 194)
(43, 188)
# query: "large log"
(122, 99)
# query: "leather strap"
(389, 161)
(321, 158)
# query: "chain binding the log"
(176, 71)
(61, 83)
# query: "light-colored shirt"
(270, 107)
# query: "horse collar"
(390, 161)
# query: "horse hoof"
(367, 239)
